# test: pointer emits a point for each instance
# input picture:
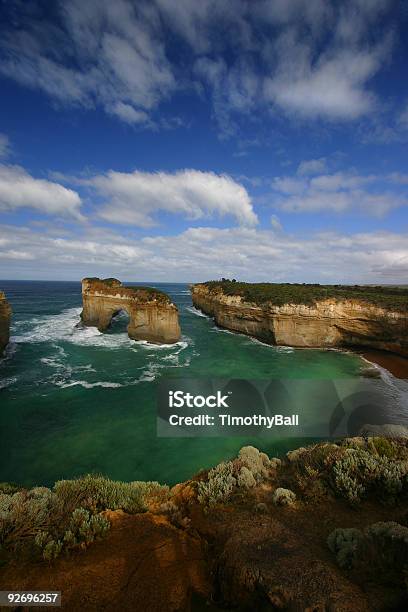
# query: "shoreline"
(397, 365)
(393, 363)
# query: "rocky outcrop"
(330, 322)
(152, 315)
(5, 317)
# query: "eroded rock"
(330, 322)
(5, 318)
(152, 315)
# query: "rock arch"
(152, 315)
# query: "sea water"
(74, 400)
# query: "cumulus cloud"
(307, 58)
(4, 146)
(198, 254)
(340, 192)
(134, 198)
(18, 189)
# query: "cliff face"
(327, 323)
(152, 315)
(5, 317)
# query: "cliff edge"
(5, 317)
(242, 535)
(309, 315)
(152, 315)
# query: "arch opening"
(119, 322)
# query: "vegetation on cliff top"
(244, 509)
(43, 522)
(142, 293)
(392, 297)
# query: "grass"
(278, 294)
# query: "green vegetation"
(380, 550)
(148, 293)
(44, 522)
(283, 497)
(144, 294)
(392, 297)
(354, 470)
(248, 469)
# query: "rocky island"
(5, 317)
(152, 315)
(310, 315)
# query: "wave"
(88, 385)
(197, 312)
(181, 344)
(7, 382)
(63, 327)
(9, 351)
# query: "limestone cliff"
(152, 315)
(5, 316)
(330, 322)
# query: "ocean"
(73, 400)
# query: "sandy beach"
(396, 364)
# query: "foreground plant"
(47, 521)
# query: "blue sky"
(182, 141)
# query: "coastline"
(395, 364)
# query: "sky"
(182, 141)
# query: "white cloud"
(128, 114)
(134, 198)
(4, 145)
(307, 58)
(333, 87)
(340, 192)
(18, 189)
(312, 166)
(104, 53)
(275, 223)
(205, 253)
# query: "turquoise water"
(74, 400)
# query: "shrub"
(49, 521)
(219, 485)
(295, 455)
(387, 546)
(9, 488)
(99, 493)
(256, 462)
(246, 471)
(246, 479)
(283, 497)
(261, 508)
(275, 463)
(359, 471)
(381, 550)
(83, 528)
(345, 544)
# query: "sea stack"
(310, 315)
(5, 318)
(152, 315)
